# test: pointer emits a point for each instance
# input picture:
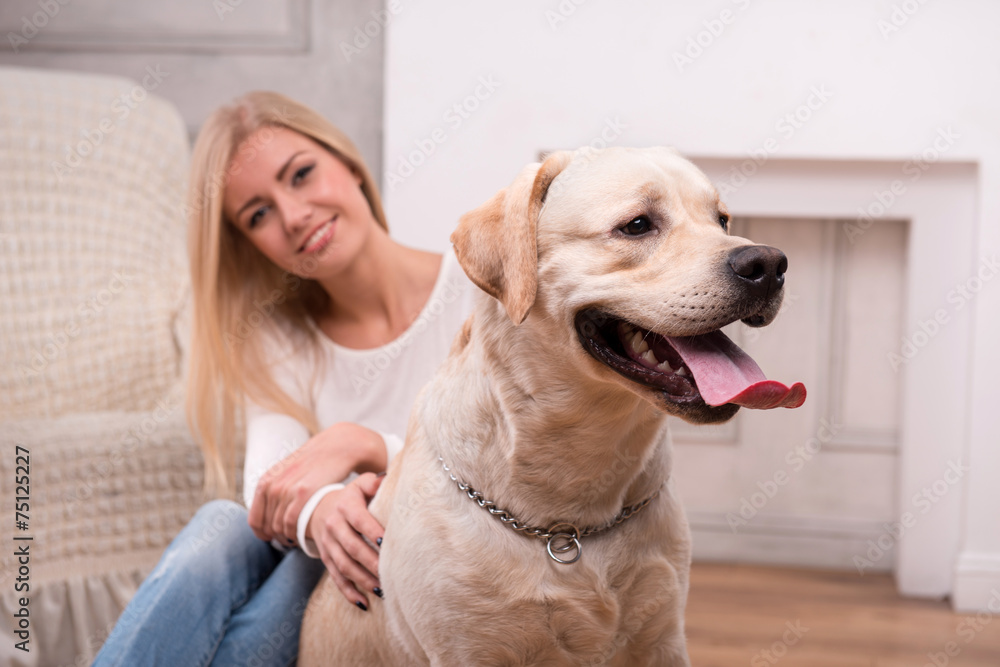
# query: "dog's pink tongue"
(726, 374)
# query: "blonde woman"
(313, 332)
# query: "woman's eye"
(723, 220)
(256, 217)
(637, 226)
(301, 173)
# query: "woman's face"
(297, 203)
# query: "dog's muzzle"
(705, 377)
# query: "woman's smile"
(320, 238)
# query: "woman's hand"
(338, 526)
(328, 457)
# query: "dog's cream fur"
(526, 416)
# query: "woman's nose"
(295, 213)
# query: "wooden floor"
(761, 616)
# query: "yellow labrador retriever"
(530, 519)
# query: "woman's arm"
(328, 457)
(270, 437)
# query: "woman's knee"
(216, 559)
(220, 511)
(217, 531)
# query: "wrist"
(304, 528)
(375, 456)
(361, 448)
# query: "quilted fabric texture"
(92, 243)
(109, 490)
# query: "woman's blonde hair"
(237, 291)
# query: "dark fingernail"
(361, 605)
(381, 474)
(378, 541)
(378, 591)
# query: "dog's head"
(627, 254)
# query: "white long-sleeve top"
(375, 388)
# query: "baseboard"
(793, 541)
(977, 583)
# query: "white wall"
(879, 94)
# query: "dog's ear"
(496, 243)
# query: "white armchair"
(93, 285)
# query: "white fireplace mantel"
(940, 206)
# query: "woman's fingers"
(362, 555)
(342, 541)
(290, 521)
(258, 518)
(293, 507)
(276, 513)
(356, 571)
(369, 483)
(274, 510)
(358, 575)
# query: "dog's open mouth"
(708, 368)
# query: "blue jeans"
(218, 596)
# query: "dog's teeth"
(682, 372)
(665, 367)
(649, 357)
(639, 345)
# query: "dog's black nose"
(760, 268)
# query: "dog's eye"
(639, 225)
(723, 220)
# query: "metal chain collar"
(556, 542)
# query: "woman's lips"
(318, 239)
